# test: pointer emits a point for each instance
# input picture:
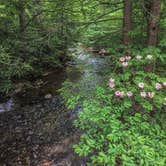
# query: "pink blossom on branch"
(112, 85)
(151, 94)
(125, 64)
(141, 85)
(143, 94)
(164, 84)
(129, 94)
(127, 58)
(149, 56)
(111, 80)
(158, 86)
(119, 94)
(122, 59)
(138, 57)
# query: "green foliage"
(68, 94)
(114, 132)
(124, 130)
(11, 67)
(35, 36)
(133, 140)
(47, 29)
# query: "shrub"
(124, 123)
(11, 67)
(111, 139)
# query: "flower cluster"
(158, 86)
(129, 94)
(124, 60)
(149, 57)
(112, 83)
(138, 57)
(140, 85)
(164, 84)
(147, 94)
(122, 94)
(119, 94)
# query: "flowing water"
(36, 129)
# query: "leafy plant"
(11, 67)
(124, 123)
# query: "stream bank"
(37, 129)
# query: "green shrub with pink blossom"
(125, 124)
(133, 82)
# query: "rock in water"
(48, 96)
(6, 106)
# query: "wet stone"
(48, 96)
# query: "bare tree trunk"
(153, 22)
(127, 21)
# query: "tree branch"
(93, 22)
(33, 17)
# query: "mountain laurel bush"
(124, 124)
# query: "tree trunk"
(127, 19)
(152, 8)
(153, 22)
(22, 24)
(21, 16)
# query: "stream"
(36, 128)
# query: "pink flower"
(119, 94)
(158, 86)
(141, 85)
(129, 94)
(112, 85)
(127, 58)
(143, 94)
(122, 59)
(149, 56)
(164, 84)
(138, 57)
(151, 94)
(112, 80)
(124, 64)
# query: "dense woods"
(123, 122)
